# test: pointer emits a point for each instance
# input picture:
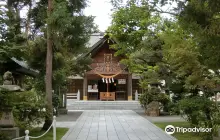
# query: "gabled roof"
(97, 45)
(24, 68)
(94, 38)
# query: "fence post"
(54, 128)
(26, 135)
(63, 100)
(78, 95)
(136, 95)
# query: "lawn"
(179, 136)
(49, 136)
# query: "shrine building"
(108, 79)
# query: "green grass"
(179, 136)
(49, 136)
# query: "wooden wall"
(74, 85)
(99, 56)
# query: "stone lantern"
(7, 124)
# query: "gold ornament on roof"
(108, 67)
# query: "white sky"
(101, 9)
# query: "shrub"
(56, 103)
(173, 108)
(3, 136)
(5, 100)
(28, 109)
(201, 112)
(153, 94)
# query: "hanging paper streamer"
(109, 80)
(112, 80)
(103, 80)
(106, 80)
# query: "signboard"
(121, 81)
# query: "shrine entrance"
(99, 90)
(107, 79)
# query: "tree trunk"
(49, 105)
(27, 27)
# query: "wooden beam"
(129, 84)
(85, 86)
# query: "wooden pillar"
(85, 86)
(129, 88)
(21, 81)
(65, 100)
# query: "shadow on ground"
(70, 116)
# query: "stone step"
(71, 95)
(103, 105)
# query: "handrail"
(76, 95)
(27, 137)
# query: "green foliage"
(153, 94)
(189, 76)
(201, 20)
(178, 90)
(180, 135)
(26, 106)
(201, 112)
(181, 52)
(3, 136)
(38, 131)
(130, 24)
(12, 39)
(56, 101)
(6, 98)
(28, 109)
(172, 108)
(69, 41)
(135, 28)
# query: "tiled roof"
(25, 65)
(94, 38)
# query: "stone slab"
(114, 125)
(11, 132)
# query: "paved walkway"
(114, 125)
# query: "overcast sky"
(101, 9)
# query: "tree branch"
(159, 10)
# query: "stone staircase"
(73, 96)
(103, 105)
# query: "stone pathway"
(114, 125)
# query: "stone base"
(153, 113)
(129, 98)
(11, 132)
(62, 111)
(153, 109)
(85, 98)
